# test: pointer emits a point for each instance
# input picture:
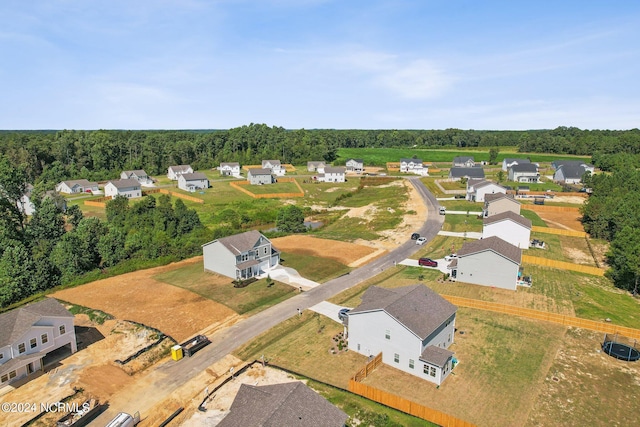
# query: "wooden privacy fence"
(181, 196)
(100, 202)
(547, 208)
(406, 406)
(544, 316)
(241, 184)
(368, 368)
(558, 231)
(561, 265)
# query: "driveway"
(442, 264)
(292, 277)
(466, 234)
(328, 309)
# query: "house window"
(44, 338)
(411, 363)
(358, 347)
(433, 372)
(396, 357)
(21, 348)
(1, 356)
(265, 250)
(449, 337)
(63, 330)
(4, 378)
(425, 369)
(33, 343)
(387, 334)
(12, 374)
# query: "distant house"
(477, 189)
(175, 171)
(29, 334)
(240, 256)
(274, 165)
(123, 187)
(260, 176)
(355, 165)
(498, 203)
(414, 166)
(332, 174)
(463, 162)
(25, 204)
(139, 175)
(230, 169)
(509, 226)
(411, 326)
(316, 166)
(193, 181)
(490, 261)
(570, 173)
(558, 163)
(77, 186)
(457, 173)
(290, 404)
(526, 172)
(507, 163)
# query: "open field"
(345, 253)
(278, 187)
(250, 299)
(139, 297)
(324, 193)
(565, 220)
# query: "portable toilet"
(176, 352)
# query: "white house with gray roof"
(355, 165)
(489, 261)
(477, 189)
(230, 169)
(77, 186)
(193, 181)
(571, 173)
(508, 162)
(139, 175)
(275, 166)
(316, 166)
(129, 188)
(29, 333)
(509, 226)
(457, 173)
(260, 176)
(240, 256)
(173, 172)
(524, 172)
(291, 404)
(411, 326)
(414, 166)
(498, 203)
(331, 174)
(463, 162)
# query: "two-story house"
(355, 165)
(240, 256)
(230, 169)
(275, 166)
(175, 171)
(260, 176)
(193, 181)
(498, 203)
(29, 333)
(123, 187)
(525, 172)
(139, 175)
(411, 326)
(571, 172)
(331, 174)
(457, 173)
(77, 186)
(414, 166)
(316, 166)
(463, 162)
(508, 162)
(510, 227)
(477, 189)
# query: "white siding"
(509, 231)
(502, 205)
(488, 269)
(488, 189)
(218, 259)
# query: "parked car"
(343, 313)
(421, 240)
(443, 210)
(427, 262)
(450, 257)
(415, 236)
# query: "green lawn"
(461, 223)
(462, 205)
(314, 268)
(535, 219)
(251, 299)
(278, 187)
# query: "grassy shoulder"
(251, 299)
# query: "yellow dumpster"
(176, 352)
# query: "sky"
(343, 64)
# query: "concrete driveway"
(467, 234)
(328, 309)
(442, 264)
(291, 277)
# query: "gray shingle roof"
(436, 355)
(81, 182)
(572, 171)
(417, 307)
(137, 172)
(519, 161)
(411, 160)
(15, 323)
(357, 160)
(492, 243)
(462, 159)
(339, 169)
(525, 167)
(125, 183)
(230, 164)
(259, 171)
(488, 198)
(239, 243)
(557, 163)
(196, 176)
(180, 168)
(460, 172)
(508, 216)
(290, 404)
(272, 162)
(486, 183)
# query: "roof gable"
(243, 242)
(494, 244)
(196, 176)
(508, 216)
(125, 183)
(16, 323)
(525, 167)
(472, 172)
(259, 171)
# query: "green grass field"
(278, 187)
(251, 299)
(314, 268)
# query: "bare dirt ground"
(349, 254)
(563, 220)
(137, 296)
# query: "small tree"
(493, 155)
(500, 176)
(290, 220)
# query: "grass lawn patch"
(324, 193)
(462, 205)
(303, 344)
(278, 187)
(535, 219)
(348, 230)
(462, 223)
(596, 298)
(431, 186)
(251, 299)
(453, 185)
(313, 267)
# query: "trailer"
(83, 416)
(124, 420)
(189, 348)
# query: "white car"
(421, 240)
(451, 257)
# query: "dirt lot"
(349, 254)
(137, 296)
(564, 220)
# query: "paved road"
(226, 341)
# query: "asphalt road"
(229, 339)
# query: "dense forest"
(53, 247)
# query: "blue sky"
(377, 64)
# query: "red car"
(427, 262)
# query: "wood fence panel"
(558, 231)
(181, 196)
(547, 208)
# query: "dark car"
(415, 236)
(427, 262)
(343, 313)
